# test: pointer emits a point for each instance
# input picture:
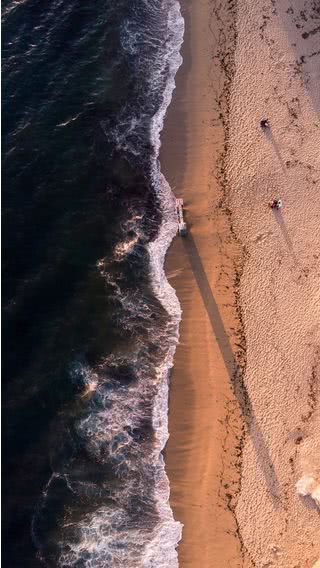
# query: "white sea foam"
(68, 121)
(107, 536)
(127, 245)
(161, 552)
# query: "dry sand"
(277, 74)
(206, 429)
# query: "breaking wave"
(110, 461)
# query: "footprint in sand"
(262, 237)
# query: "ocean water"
(90, 323)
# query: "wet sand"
(243, 453)
(203, 453)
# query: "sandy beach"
(205, 424)
(243, 453)
(277, 73)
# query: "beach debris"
(276, 204)
(264, 123)
(276, 550)
(309, 485)
(182, 227)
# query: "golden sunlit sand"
(243, 452)
(205, 424)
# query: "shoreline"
(242, 457)
(206, 429)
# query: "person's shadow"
(269, 134)
(280, 220)
(263, 456)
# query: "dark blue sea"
(89, 321)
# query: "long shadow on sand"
(280, 220)
(271, 138)
(223, 342)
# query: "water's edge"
(170, 533)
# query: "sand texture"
(205, 424)
(277, 75)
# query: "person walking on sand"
(276, 204)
